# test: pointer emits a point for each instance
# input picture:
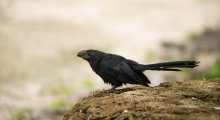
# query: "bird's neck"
(95, 65)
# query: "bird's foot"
(112, 89)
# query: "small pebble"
(125, 111)
(216, 108)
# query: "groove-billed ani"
(117, 70)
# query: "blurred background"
(40, 76)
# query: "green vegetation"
(214, 70)
(58, 105)
(203, 78)
(202, 88)
(62, 90)
(186, 71)
(88, 84)
(192, 36)
(25, 113)
(150, 56)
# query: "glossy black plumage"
(117, 70)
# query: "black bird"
(117, 70)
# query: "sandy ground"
(172, 100)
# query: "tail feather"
(170, 66)
(163, 69)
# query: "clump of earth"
(190, 99)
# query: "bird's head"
(90, 54)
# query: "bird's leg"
(112, 89)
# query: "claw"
(112, 89)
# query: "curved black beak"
(79, 54)
(83, 54)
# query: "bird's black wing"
(127, 70)
(122, 72)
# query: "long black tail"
(170, 66)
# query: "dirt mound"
(191, 100)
